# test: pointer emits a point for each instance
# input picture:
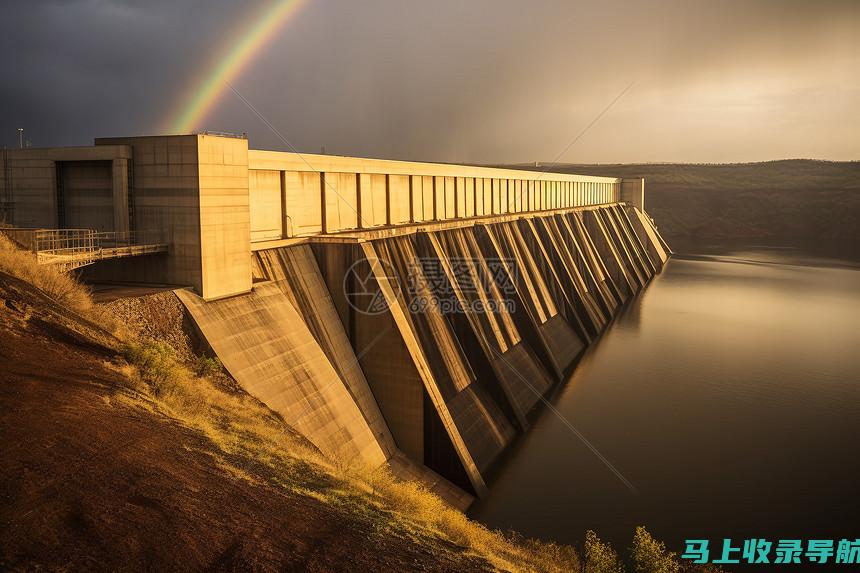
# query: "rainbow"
(230, 64)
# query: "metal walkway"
(74, 248)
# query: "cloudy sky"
(452, 80)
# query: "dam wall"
(394, 312)
(429, 348)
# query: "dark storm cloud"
(454, 80)
(79, 69)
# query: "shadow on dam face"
(427, 350)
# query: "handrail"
(72, 248)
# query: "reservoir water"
(727, 394)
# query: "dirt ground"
(91, 481)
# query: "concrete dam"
(399, 313)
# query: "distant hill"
(787, 201)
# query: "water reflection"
(727, 394)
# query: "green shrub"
(167, 378)
(156, 362)
(207, 366)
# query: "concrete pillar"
(225, 219)
(120, 195)
(633, 192)
(286, 231)
(55, 190)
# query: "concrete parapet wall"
(321, 194)
(632, 192)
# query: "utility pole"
(21, 138)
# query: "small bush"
(157, 364)
(207, 366)
(599, 556)
(650, 555)
(169, 381)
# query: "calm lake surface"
(727, 394)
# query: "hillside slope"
(97, 477)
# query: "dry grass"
(62, 287)
(237, 424)
(254, 442)
(247, 433)
(505, 552)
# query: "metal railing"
(116, 239)
(73, 248)
(56, 245)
